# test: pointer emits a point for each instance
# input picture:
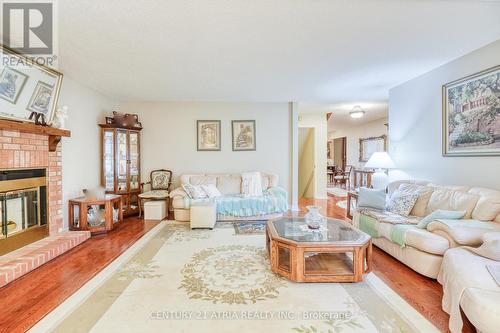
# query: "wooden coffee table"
(337, 252)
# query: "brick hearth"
(22, 261)
(29, 150)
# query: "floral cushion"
(402, 203)
(155, 194)
(160, 180)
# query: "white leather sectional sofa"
(467, 284)
(425, 247)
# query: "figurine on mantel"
(60, 117)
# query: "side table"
(350, 195)
(98, 215)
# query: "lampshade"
(380, 160)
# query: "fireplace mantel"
(54, 134)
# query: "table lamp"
(380, 161)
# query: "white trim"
(294, 167)
(56, 316)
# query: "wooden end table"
(337, 253)
(350, 195)
(109, 208)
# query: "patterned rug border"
(399, 305)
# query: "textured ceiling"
(260, 50)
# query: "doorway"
(307, 165)
(340, 153)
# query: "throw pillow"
(188, 188)
(194, 191)
(211, 190)
(371, 198)
(440, 214)
(402, 203)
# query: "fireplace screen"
(19, 210)
(23, 207)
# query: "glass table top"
(296, 229)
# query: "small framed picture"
(11, 84)
(208, 135)
(109, 120)
(40, 100)
(244, 138)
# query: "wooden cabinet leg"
(359, 264)
(369, 253)
(139, 201)
(120, 211)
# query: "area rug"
(250, 228)
(178, 280)
(336, 191)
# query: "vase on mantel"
(314, 219)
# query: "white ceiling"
(282, 50)
(340, 112)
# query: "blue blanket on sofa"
(274, 200)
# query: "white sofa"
(425, 248)
(468, 285)
(229, 184)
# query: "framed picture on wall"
(368, 146)
(40, 100)
(329, 150)
(11, 84)
(471, 115)
(208, 135)
(27, 88)
(244, 135)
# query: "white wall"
(415, 126)
(319, 123)
(354, 133)
(169, 137)
(81, 152)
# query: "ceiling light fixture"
(357, 112)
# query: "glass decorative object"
(313, 218)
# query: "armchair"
(160, 182)
(344, 177)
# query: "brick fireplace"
(28, 146)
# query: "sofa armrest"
(178, 193)
(463, 232)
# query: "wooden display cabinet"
(120, 164)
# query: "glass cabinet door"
(134, 160)
(108, 160)
(122, 160)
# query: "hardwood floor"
(30, 298)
